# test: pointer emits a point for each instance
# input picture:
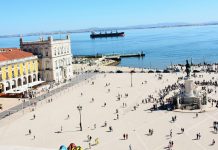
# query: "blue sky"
(24, 16)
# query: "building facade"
(55, 58)
(18, 70)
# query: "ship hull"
(105, 35)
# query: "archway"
(24, 80)
(14, 84)
(34, 77)
(8, 87)
(19, 82)
(39, 77)
(1, 87)
(29, 79)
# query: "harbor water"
(162, 46)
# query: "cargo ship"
(106, 34)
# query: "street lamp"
(80, 123)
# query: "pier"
(116, 56)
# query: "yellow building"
(18, 70)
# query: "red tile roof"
(13, 53)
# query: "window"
(47, 65)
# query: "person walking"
(90, 145)
(213, 142)
(30, 131)
(171, 133)
(130, 147)
(124, 136)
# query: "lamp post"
(80, 123)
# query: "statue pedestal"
(189, 96)
(189, 84)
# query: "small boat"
(106, 34)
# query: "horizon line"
(130, 27)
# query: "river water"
(162, 46)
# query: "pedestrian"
(170, 144)
(152, 131)
(110, 128)
(96, 141)
(68, 116)
(130, 147)
(171, 134)
(34, 116)
(213, 142)
(117, 116)
(34, 137)
(105, 124)
(90, 145)
(124, 136)
(196, 115)
(94, 126)
(61, 128)
(30, 131)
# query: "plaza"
(57, 123)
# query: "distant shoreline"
(155, 26)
